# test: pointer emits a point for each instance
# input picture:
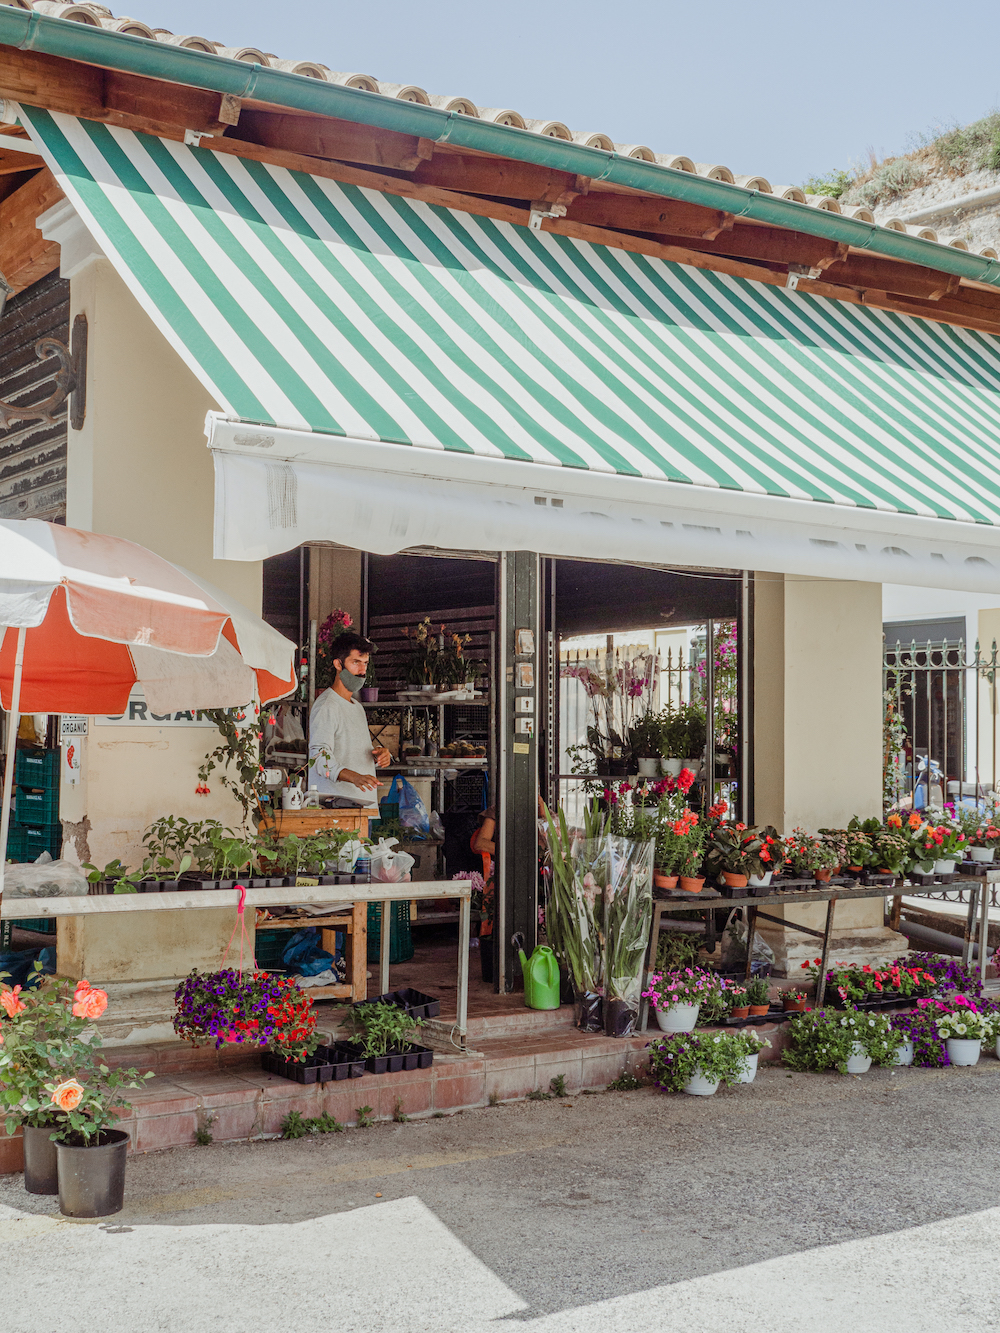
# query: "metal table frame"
(830, 894)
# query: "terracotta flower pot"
(664, 881)
(795, 1006)
(757, 1010)
(742, 1012)
(733, 880)
(822, 876)
(692, 883)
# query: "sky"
(780, 88)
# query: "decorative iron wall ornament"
(70, 378)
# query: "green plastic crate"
(400, 939)
(37, 768)
(268, 948)
(44, 925)
(26, 842)
(36, 807)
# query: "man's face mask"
(350, 681)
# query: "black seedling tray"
(343, 1061)
(313, 1069)
(416, 1004)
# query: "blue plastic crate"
(26, 842)
(36, 807)
(37, 768)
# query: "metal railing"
(940, 725)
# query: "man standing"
(342, 760)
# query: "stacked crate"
(35, 827)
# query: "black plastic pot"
(417, 1004)
(40, 1173)
(92, 1180)
(343, 1060)
(298, 1071)
(619, 1018)
(589, 1012)
(417, 1057)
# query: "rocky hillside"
(950, 184)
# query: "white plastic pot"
(944, 867)
(672, 767)
(649, 768)
(904, 1055)
(749, 1071)
(984, 854)
(998, 1047)
(859, 1061)
(700, 1086)
(678, 1018)
(962, 1051)
(757, 881)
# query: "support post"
(13, 718)
(385, 941)
(464, 927)
(517, 842)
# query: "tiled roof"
(101, 17)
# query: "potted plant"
(849, 1041)
(739, 1005)
(963, 1029)
(697, 1062)
(772, 858)
(385, 1033)
(939, 847)
(368, 694)
(810, 855)
(53, 1083)
(673, 741)
(255, 1009)
(794, 1001)
(733, 854)
(676, 997)
(758, 996)
(646, 741)
(90, 1151)
(857, 850)
(891, 848)
(753, 1043)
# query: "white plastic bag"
(348, 854)
(44, 878)
(388, 865)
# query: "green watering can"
(541, 977)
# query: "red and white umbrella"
(85, 617)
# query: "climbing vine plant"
(237, 759)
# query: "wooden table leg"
(821, 983)
(385, 940)
(358, 963)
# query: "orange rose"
(89, 1003)
(11, 1003)
(68, 1095)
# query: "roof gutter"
(31, 31)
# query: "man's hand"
(381, 756)
(366, 781)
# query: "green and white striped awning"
(384, 346)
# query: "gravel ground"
(550, 1208)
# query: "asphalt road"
(841, 1203)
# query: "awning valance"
(390, 374)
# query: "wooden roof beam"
(636, 213)
(25, 254)
(333, 140)
(772, 245)
(889, 275)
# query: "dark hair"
(345, 644)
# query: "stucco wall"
(140, 469)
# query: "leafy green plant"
(383, 1027)
(624, 1083)
(971, 147)
(365, 1115)
(116, 873)
(539, 1096)
(758, 991)
(327, 1124)
(557, 1085)
(676, 950)
(240, 749)
(824, 1039)
(203, 1134)
(646, 736)
(833, 184)
(170, 842)
(294, 1126)
(398, 1114)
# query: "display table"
(709, 901)
(352, 923)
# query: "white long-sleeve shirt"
(339, 738)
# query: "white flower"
(960, 1027)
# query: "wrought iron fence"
(940, 733)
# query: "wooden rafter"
(25, 254)
(319, 136)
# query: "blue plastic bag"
(304, 955)
(412, 811)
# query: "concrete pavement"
(841, 1203)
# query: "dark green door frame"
(520, 651)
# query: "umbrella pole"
(13, 719)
